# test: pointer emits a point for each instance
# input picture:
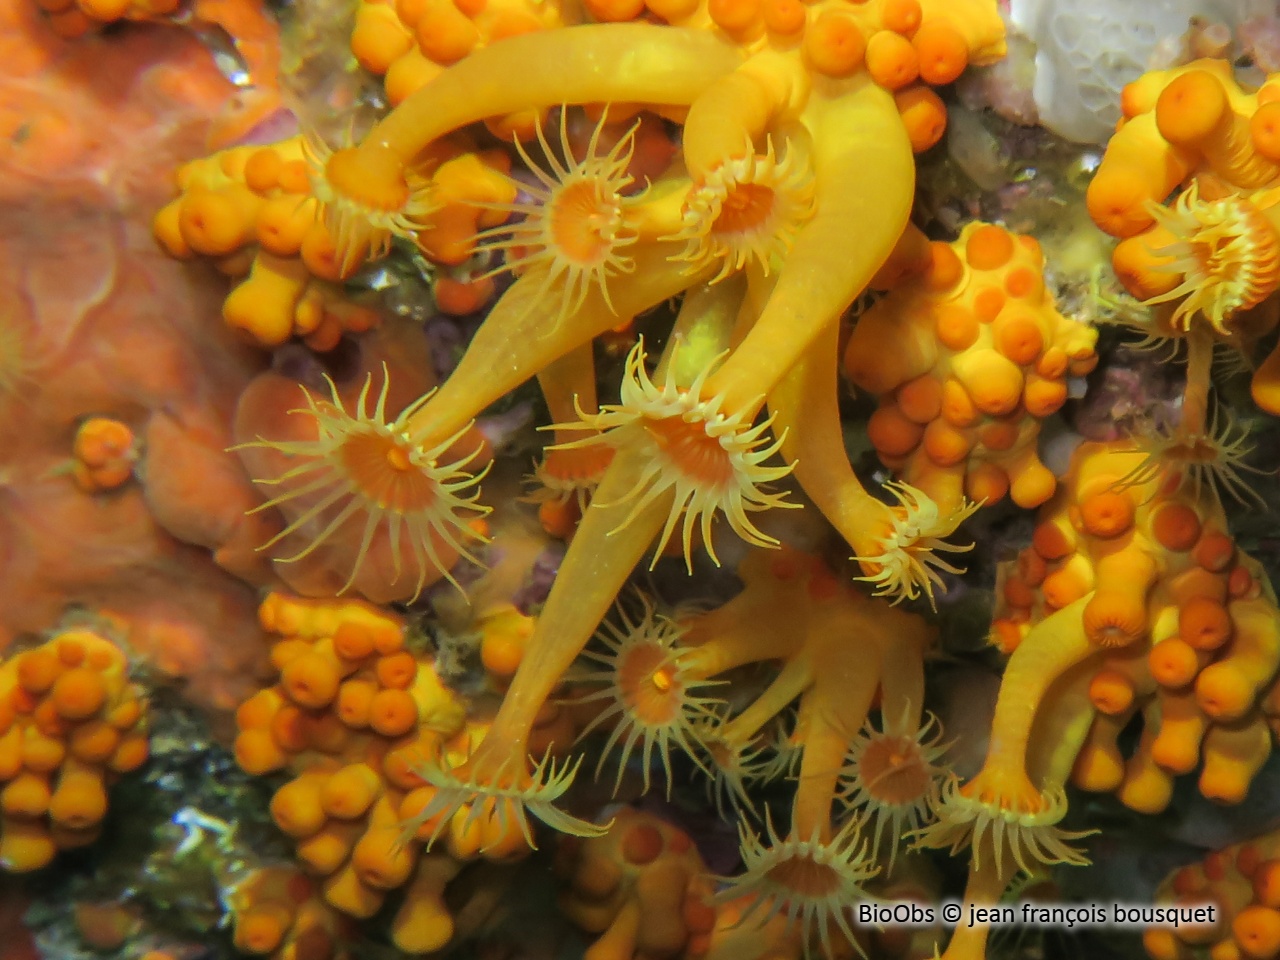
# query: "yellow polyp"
(1192, 108)
(219, 222)
(976, 22)
(852, 132)
(372, 176)
(609, 542)
(1140, 167)
(736, 111)
(379, 38)
(665, 65)
(25, 845)
(366, 195)
(514, 343)
(104, 454)
(168, 230)
(805, 404)
(714, 463)
(569, 386)
(825, 745)
(575, 232)
(468, 192)
(1222, 136)
(283, 223)
(264, 306)
(423, 923)
(1232, 757)
(1053, 646)
(747, 211)
(750, 627)
(651, 700)
(984, 889)
(1229, 688)
(1099, 767)
(1227, 253)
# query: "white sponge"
(1087, 50)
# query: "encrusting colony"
(70, 724)
(1209, 264)
(254, 210)
(1133, 600)
(1242, 883)
(251, 209)
(643, 888)
(966, 360)
(352, 715)
(1210, 257)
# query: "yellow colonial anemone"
(799, 154)
(712, 463)
(573, 232)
